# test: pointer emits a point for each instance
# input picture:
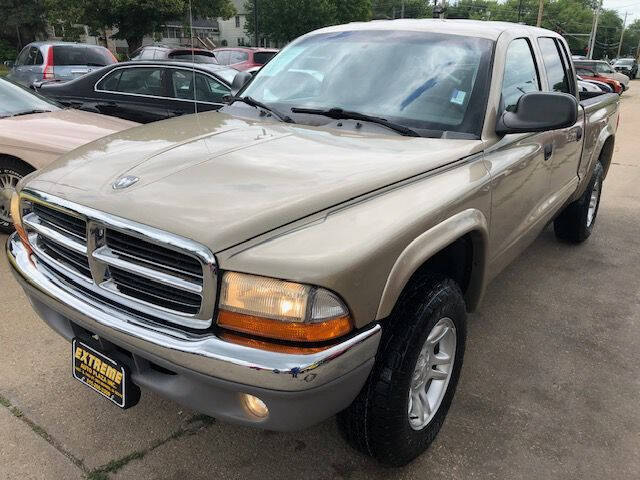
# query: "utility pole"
(594, 32)
(255, 23)
(402, 10)
(540, 9)
(519, 10)
(624, 23)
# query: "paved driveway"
(550, 388)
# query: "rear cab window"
(520, 73)
(559, 75)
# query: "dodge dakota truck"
(314, 247)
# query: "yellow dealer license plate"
(99, 372)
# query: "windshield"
(425, 81)
(628, 61)
(17, 100)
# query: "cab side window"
(520, 73)
(558, 76)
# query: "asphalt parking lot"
(550, 387)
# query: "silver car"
(61, 61)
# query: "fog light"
(256, 406)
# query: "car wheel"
(577, 220)
(11, 171)
(404, 402)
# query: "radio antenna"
(193, 62)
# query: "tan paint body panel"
(40, 138)
(355, 213)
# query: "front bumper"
(201, 371)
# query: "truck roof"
(474, 28)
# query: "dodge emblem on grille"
(124, 182)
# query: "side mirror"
(239, 81)
(9, 63)
(539, 112)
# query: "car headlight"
(271, 308)
(16, 216)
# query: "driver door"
(519, 165)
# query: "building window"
(240, 42)
(237, 21)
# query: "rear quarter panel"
(601, 122)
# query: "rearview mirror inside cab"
(539, 112)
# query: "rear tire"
(577, 220)
(427, 326)
(11, 172)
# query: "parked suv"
(626, 66)
(176, 54)
(61, 61)
(245, 58)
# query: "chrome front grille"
(142, 269)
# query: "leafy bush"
(7, 51)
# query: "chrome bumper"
(201, 353)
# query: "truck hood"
(221, 180)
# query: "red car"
(244, 58)
(589, 74)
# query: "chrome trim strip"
(108, 256)
(98, 221)
(202, 353)
(34, 222)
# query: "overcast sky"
(621, 6)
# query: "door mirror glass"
(539, 112)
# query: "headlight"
(16, 216)
(282, 310)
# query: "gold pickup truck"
(313, 248)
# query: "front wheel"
(402, 406)
(577, 220)
(11, 171)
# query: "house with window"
(232, 32)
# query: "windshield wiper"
(340, 114)
(256, 104)
(29, 112)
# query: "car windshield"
(17, 100)
(626, 61)
(429, 82)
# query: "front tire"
(577, 220)
(404, 403)
(11, 171)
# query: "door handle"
(548, 150)
(578, 133)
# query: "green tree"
(390, 9)
(22, 21)
(134, 19)
(284, 20)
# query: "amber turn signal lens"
(268, 345)
(290, 331)
(16, 216)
